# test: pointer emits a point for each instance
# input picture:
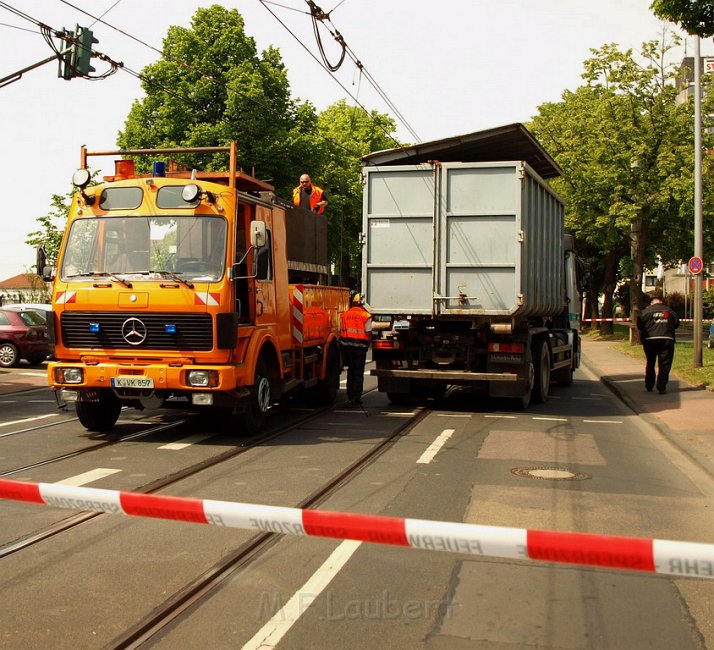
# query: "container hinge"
(519, 300)
(521, 236)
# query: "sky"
(450, 68)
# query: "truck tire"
(541, 370)
(252, 419)
(9, 355)
(325, 392)
(101, 415)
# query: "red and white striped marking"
(65, 297)
(636, 554)
(297, 312)
(207, 298)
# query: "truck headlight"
(202, 378)
(69, 375)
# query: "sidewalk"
(684, 414)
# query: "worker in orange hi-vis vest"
(309, 196)
(355, 337)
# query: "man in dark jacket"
(657, 323)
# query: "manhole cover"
(550, 474)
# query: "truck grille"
(127, 331)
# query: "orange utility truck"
(189, 284)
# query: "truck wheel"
(9, 355)
(541, 370)
(324, 393)
(101, 415)
(254, 416)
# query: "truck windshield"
(192, 247)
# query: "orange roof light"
(124, 169)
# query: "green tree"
(694, 16)
(212, 87)
(348, 134)
(625, 146)
(51, 227)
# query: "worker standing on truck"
(657, 323)
(309, 196)
(355, 337)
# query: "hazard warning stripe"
(655, 556)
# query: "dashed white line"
(535, 417)
(603, 421)
(88, 477)
(187, 442)
(435, 446)
(25, 420)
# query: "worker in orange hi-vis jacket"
(355, 338)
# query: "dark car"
(710, 342)
(23, 335)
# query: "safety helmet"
(357, 299)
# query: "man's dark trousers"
(660, 351)
(355, 359)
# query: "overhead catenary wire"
(152, 82)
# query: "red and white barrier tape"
(636, 554)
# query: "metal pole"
(698, 236)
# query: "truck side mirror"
(47, 273)
(258, 237)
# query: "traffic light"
(83, 50)
(65, 70)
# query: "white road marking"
(452, 415)
(25, 420)
(550, 419)
(278, 626)
(188, 441)
(88, 477)
(509, 417)
(604, 421)
(435, 446)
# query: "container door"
(398, 258)
(479, 247)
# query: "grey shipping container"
(478, 239)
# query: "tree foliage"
(350, 133)
(51, 226)
(694, 16)
(212, 87)
(626, 149)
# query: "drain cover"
(550, 474)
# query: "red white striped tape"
(636, 554)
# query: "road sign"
(708, 65)
(695, 265)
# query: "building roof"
(22, 281)
(510, 142)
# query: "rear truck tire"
(325, 391)
(253, 418)
(9, 355)
(101, 415)
(541, 370)
(524, 401)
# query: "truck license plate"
(132, 382)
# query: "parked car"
(710, 342)
(23, 335)
(39, 308)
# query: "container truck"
(467, 266)
(190, 284)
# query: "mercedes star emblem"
(134, 331)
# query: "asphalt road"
(85, 587)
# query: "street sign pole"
(698, 235)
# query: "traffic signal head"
(83, 50)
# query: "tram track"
(182, 602)
(80, 518)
